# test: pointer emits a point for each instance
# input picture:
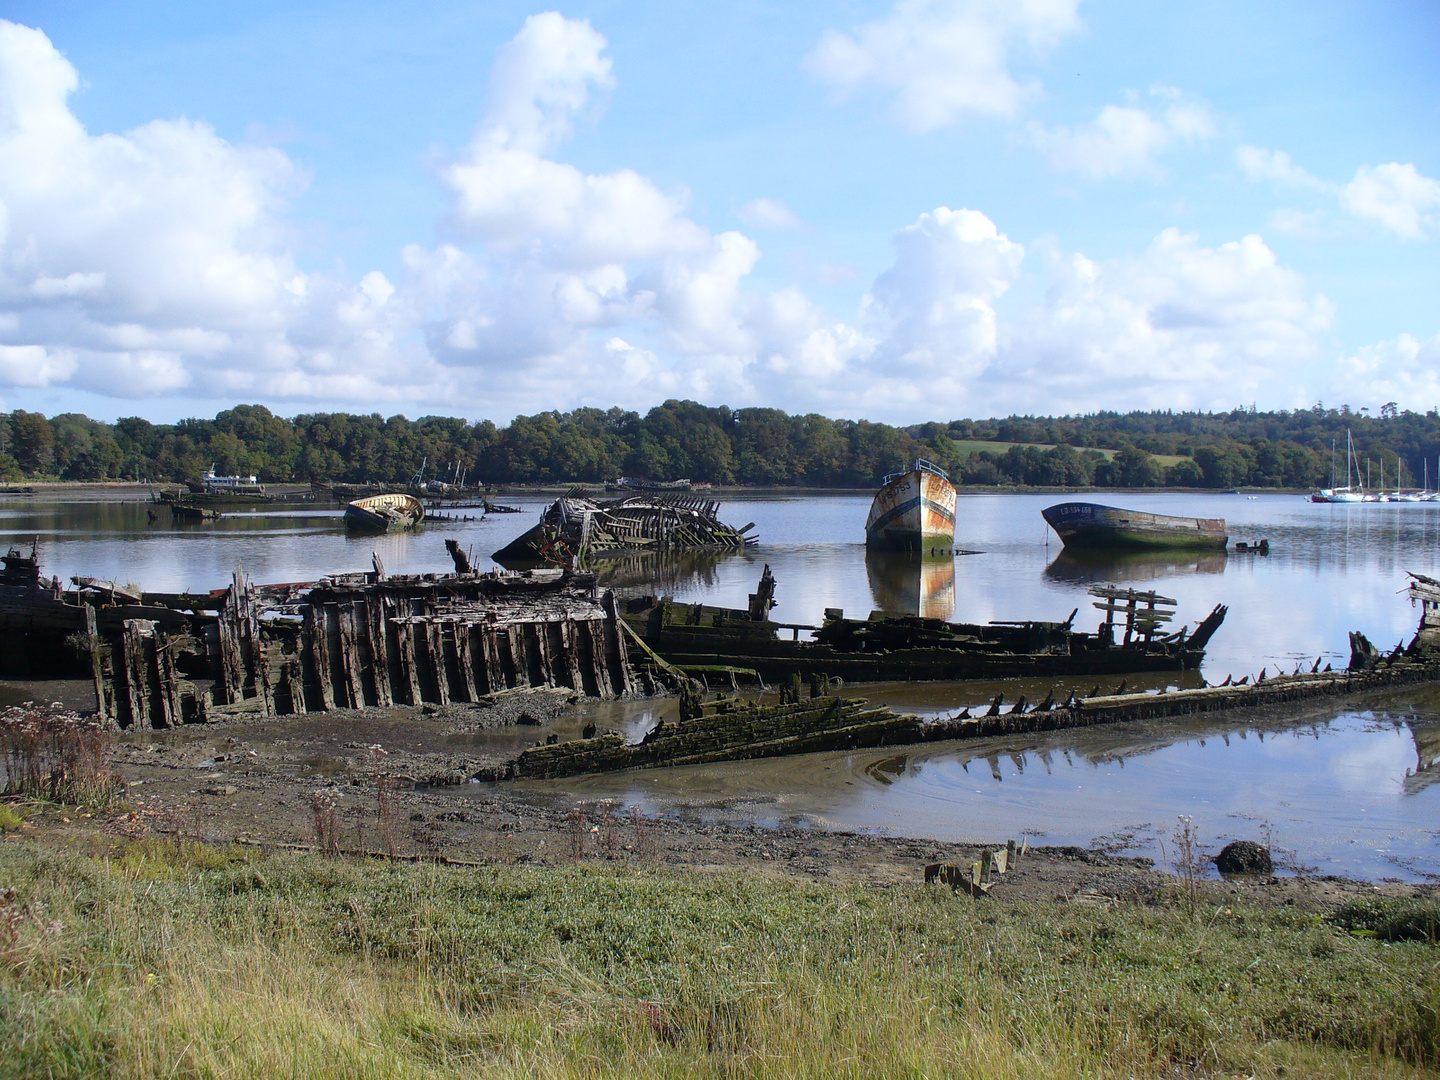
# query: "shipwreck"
(576, 530)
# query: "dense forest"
(1243, 448)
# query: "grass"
(965, 447)
(182, 960)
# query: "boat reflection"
(908, 583)
(1088, 566)
(662, 571)
(1427, 758)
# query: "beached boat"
(1093, 525)
(382, 513)
(914, 510)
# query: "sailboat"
(1334, 494)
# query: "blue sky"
(908, 211)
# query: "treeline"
(725, 446)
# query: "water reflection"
(909, 583)
(661, 572)
(1351, 794)
(1090, 566)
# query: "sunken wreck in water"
(575, 530)
(699, 639)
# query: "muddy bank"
(257, 782)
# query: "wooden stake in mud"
(92, 638)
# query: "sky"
(922, 210)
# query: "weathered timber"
(700, 638)
(733, 729)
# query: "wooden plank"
(590, 653)
(495, 680)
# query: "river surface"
(1335, 791)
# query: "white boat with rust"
(383, 513)
(914, 510)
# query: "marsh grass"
(190, 961)
(52, 753)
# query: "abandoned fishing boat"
(382, 513)
(914, 510)
(1091, 525)
(701, 640)
(574, 530)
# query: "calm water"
(1331, 569)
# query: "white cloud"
(33, 365)
(1396, 196)
(1124, 140)
(1275, 166)
(769, 214)
(944, 59)
(150, 261)
(1180, 325)
(1403, 369)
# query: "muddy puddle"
(1354, 793)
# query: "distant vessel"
(211, 484)
(914, 510)
(381, 513)
(1347, 494)
(1095, 526)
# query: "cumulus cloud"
(155, 260)
(1124, 141)
(565, 254)
(1396, 196)
(1403, 369)
(1178, 325)
(769, 214)
(944, 59)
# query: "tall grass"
(52, 753)
(191, 961)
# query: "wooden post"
(172, 704)
(435, 647)
(231, 669)
(92, 637)
(320, 653)
(494, 666)
(519, 652)
(379, 656)
(137, 683)
(469, 678)
(405, 631)
(349, 654)
(295, 684)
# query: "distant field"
(966, 447)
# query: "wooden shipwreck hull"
(700, 639)
(575, 531)
(349, 641)
(383, 513)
